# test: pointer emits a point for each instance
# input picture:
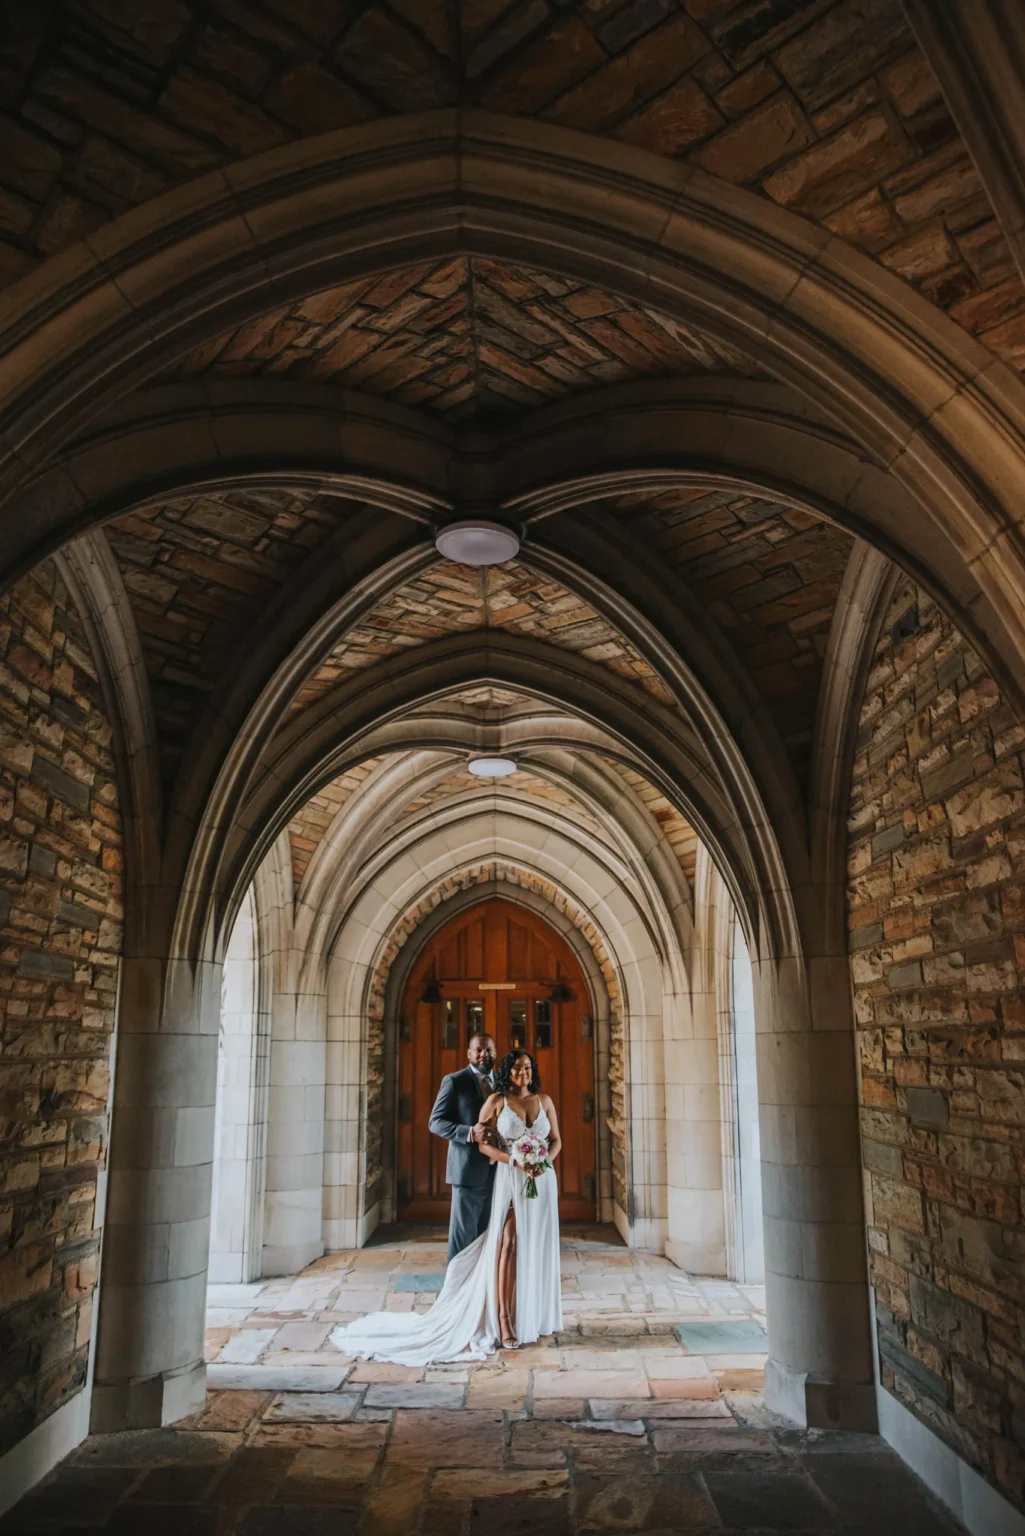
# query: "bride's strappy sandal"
(509, 1339)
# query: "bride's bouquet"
(531, 1152)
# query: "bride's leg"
(507, 1281)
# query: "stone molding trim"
(373, 821)
(921, 397)
(977, 49)
(94, 581)
(480, 874)
(868, 587)
(369, 715)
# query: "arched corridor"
(629, 395)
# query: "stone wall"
(60, 915)
(937, 917)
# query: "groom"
(454, 1116)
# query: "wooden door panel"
(503, 969)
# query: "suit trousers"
(471, 1208)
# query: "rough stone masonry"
(60, 942)
(937, 913)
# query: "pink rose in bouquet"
(531, 1152)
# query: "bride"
(505, 1287)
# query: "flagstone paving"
(613, 1425)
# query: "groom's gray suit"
(471, 1174)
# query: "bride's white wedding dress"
(463, 1322)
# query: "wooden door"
(500, 969)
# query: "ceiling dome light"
(477, 543)
(491, 767)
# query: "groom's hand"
(478, 1133)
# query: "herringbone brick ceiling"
(465, 338)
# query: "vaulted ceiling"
(448, 599)
(826, 107)
(200, 571)
(322, 816)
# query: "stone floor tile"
(370, 1372)
(231, 1410)
(574, 1383)
(703, 1441)
(350, 1436)
(741, 1381)
(637, 1503)
(559, 1408)
(582, 1358)
(658, 1408)
(745, 1496)
(862, 1485)
(246, 1346)
(155, 1447)
(291, 1378)
(322, 1475)
(520, 1515)
(299, 1407)
(471, 1437)
(302, 1336)
(666, 1366)
(214, 1340)
(235, 1295)
(174, 1485)
(722, 1338)
(415, 1394)
(623, 1455)
(695, 1388)
(393, 1505)
(525, 1461)
(466, 1483)
(254, 1475)
(507, 1389)
(304, 1359)
(163, 1520)
(537, 1435)
(294, 1520)
(619, 1327)
(440, 1374)
(534, 1357)
(89, 1492)
(359, 1301)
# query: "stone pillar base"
(698, 1258)
(820, 1404)
(147, 1404)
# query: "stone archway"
(946, 418)
(548, 900)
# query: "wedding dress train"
(463, 1322)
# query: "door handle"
(588, 1108)
(405, 1109)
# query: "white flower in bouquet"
(531, 1152)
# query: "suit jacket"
(456, 1109)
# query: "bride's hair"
(503, 1072)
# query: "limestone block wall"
(60, 942)
(937, 918)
